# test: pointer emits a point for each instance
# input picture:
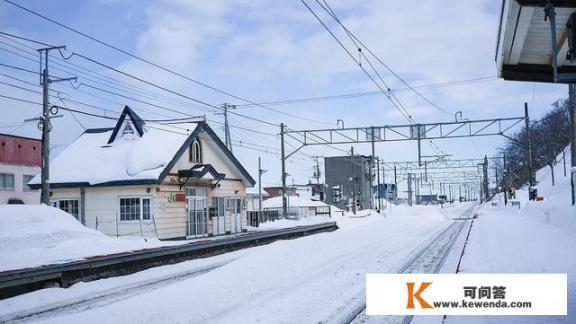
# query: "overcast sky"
(274, 50)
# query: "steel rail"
(456, 227)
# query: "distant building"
(314, 191)
(253, 198)
(20, 161)
(298, 207)
(276, 191)
(348, 177)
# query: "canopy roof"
(524, 48)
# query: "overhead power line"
(367, 93)
(156, 65)
(355, 39)
(400, 109)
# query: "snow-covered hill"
(556, 209)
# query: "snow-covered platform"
(43, 245)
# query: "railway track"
(104, 297)
(430, 258)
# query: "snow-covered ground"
(33, 235)
(538, 238)
(306, 280)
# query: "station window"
(135, 208)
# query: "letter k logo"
(412, 295)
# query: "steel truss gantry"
(390, 133)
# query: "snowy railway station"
(307, 162)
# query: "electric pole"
(283, 158)
(485, 175)
(44, 121)
(504, 180)
(529, 151)
(572, 114)
(378, 183)
(353, 180)
(409, 188)
(227, 138)
(260, 173)
(317, 173)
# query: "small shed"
(298, 207)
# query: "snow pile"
(361, 213)
(33, 235)
(293, 201)
(289, 223)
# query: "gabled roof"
(92, 160)
(204, 127)
(200, 170)
(137, 122)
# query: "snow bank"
(556, 209)
(538, 238)
(33, 235)
(288, 223)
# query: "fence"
(322, 210)
(256, 217)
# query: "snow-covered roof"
(102, 157)
(254, 191)
(293, 201)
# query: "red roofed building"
(20, 161)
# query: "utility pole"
(353, 180)
(485, 175)
(529, 151)
(497, 183)
(372, 204)
(44, 121)
(378, 184)
(283, 158)
(260, 173)
(572, 114)
(409, 187)
(505, 180)
(227, 138)
(317, 173)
